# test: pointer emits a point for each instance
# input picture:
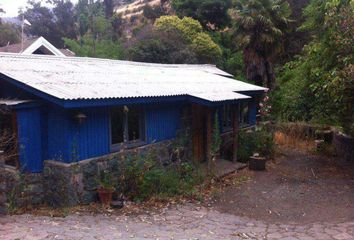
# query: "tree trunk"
(259, 69)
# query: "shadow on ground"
(297, 187)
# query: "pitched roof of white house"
(73, 78)
(30, 46)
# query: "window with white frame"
(127, 126)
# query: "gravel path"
(187, 221)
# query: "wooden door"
(199, 133)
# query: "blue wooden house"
(69, 109)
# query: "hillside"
(136, 8)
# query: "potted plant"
(257, 163)
(106, 188)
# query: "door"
(199, 133)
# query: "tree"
(174, 40)
(210, 13)
(259, 26)
(9, 34)
(65, 18)
(1, 12)
(103, 48)
(108, 8)
(151, 45)
(206, 50)
(52, 24)
(318, 86)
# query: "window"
(127, 126)
(227, 118)
(244, 114)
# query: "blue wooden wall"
(50, 132)
(252, 113)
(162, 121)
(30, 139)
(70, 141)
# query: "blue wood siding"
(162, 121)
(58, 135)
(252, 113)
(30, 139)
(91, 138)
(70, 141)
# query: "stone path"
(187, 221)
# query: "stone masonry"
(63, 184)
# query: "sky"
(11, 7)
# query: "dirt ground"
(297, 188)
(301, 196)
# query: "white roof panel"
(221, 96)
(12, 102)
(72, 78)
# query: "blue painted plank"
(29, 137)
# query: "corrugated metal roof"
(12, 102)
(217, 97)
(72, 78)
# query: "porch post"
(2, 159)
(209, 128)
(235, 128)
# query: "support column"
(209, 128)
(235, 129)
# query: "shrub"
(259, 141)
(143, 177)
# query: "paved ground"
(179, 222)
(289, 201)
(299, 188)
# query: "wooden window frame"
(115, 147)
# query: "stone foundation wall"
(76, 183)
(20, 190)
(62, 184)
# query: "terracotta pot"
(257, 163)
(105, 196)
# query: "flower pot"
(257, 163)
(105, 196)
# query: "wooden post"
(2, 159)
(235, 128)
(209, 126)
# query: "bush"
(143, 177)
(260, 141)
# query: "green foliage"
(211, 13)
(52, 24)
(87, 47)
(259, 141)
(206, 50)
(106, 180)
(258, 27)
(154, 46)
(143, 177)
(188, 27)
(9, 33)
(174, 40)
(318, 85)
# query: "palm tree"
(258, 29)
